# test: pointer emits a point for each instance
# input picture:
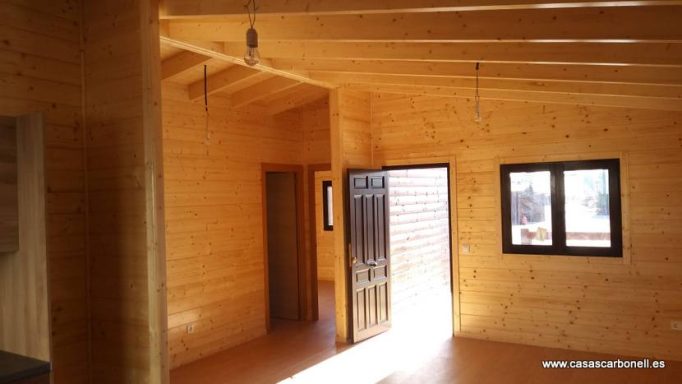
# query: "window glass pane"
(531, 208)
(330, 206)
(587, 208)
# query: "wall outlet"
(466, 248)
(190, 328)
(676, 325)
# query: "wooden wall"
(351, 147)
(420, 241)
(25, 327)
(123, 178)
(9, 198)
(325, 239)
(214, 219)
(620, 306)
(40, 71)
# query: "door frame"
(452, 229)
(297, 170)
(312, 234)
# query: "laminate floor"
(305, 352)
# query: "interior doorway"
(283, 240)
(323, 235)
(419, 226)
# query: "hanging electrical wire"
(206, 115)
(477, 97)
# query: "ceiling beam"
(220, 81)
(655, 54)
(180, 63)
(548, 86)
(261, 90)
(217, 50)
(202, 8)
(574, 72)
(655, 103)
(303, 95)
(595, 24)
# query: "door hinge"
(351, 259)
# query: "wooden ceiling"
(612, 53)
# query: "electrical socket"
(190, 328)
(676, 325)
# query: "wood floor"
(303, 352)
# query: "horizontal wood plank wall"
(25, 328)
(40, 71)
(9, 198)
(619, 306)
(351, 147)
(214, 229)
(122, 115)
(420, 242)
(325, 239)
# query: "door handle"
(372, 263)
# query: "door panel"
(282, 245)
(370, 286)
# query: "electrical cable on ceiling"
(477, 97)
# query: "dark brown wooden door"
(370, 269)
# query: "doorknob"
(372, 263)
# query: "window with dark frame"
(562, 208)
(327, 206)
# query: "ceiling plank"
(596, 24)
(548, 86)
(216, 50)
(573, 72)
(655, 103)
(220, 81)
(302, 96)
(202, 8)
(261, 90)
(180, 63)
(655, 54)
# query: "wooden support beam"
(584, 24)
(217, 50)
(637, 102)
(571, 72)
(201, 8)
(261, 91)
(302, 95)
(653, 54)
(547, 86)
(220, 81)
(181, 62)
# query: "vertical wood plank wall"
(313, 120)
(214, 229)
(40, 71)
(351, 147)
(620, 306)
(127, 334)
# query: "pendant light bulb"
(252, 56)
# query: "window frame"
(326, 200)
(557, 201)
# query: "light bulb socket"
(251, 38)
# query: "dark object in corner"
(20, 369)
